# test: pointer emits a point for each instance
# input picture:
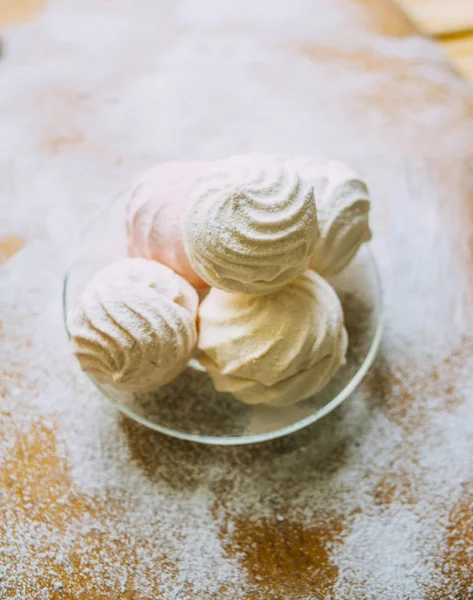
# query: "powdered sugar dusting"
(371, 502)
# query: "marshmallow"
(343, 205)
(250, 225)
(133, 326)
(153, 216)
(274, 349)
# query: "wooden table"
(373, 502)
(451, 23)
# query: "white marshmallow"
(343, 206)
(274, 349)
(133, 326)
(250, 225)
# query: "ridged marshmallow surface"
(274, 349)
(153, 216)
(133, 326)
(343, 206)
(152, 274)
(250, 225)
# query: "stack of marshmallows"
(229, 261)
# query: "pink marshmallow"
(153, 216)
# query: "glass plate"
(189, 408)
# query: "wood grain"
(460, 52)
(451, 22)
(440, 17)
